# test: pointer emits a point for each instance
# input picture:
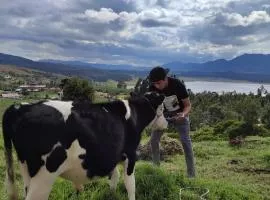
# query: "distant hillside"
(69, 70)
(250, 67)
(11, 77)
(99, 65)
(247, 63)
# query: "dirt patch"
(253, 170)
(234, 162)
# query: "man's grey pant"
(183, 130)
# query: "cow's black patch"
(26, 190)
(82, 156)
(34, 164)
(55, 159)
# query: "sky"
(137, 32)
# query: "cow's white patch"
(25, 175)
(128, 113)
(129, 181)
(159, 122)
(73, 169)
(44, 157)
(41, 184)
(18, 106)
(63, 107)
(11, 188)
(114, 178)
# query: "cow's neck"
(141, 115)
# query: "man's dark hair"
(158, 73)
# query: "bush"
(261, 131)
(205, 133)
(266, 116)
(221, 127)
(77, 89)
(240, 129)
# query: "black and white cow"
(77, 141)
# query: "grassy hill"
(228, 172)
(19, 75)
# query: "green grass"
(225, 180)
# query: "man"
(177, 108)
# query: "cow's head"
(156, 103)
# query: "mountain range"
(249, 67)
(246, 63)
(87, 72)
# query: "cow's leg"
(41, 185)
(25, 175)
(129, 178)
(114, 178)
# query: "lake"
(219, 87)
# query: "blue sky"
(138, 32)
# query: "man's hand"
(179, 117)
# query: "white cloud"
(105, 15)
(255, 18)
(139, 31)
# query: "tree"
(214, 114)
(266, 117)
(249, 109)
(77, 89)
(121, 85)
(261, 91)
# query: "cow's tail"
(7, 135)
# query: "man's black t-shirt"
(174, 93)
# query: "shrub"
(222, 126)
(204, 133)
(261, 131)
(266, 116)
(77, 89)
(240, 129)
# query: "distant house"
(18, 90)
(7, 77)
(10, 95)
(32, 87)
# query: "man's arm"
(187, 107)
